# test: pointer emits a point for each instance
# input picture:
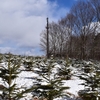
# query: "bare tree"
(43, 40)
(68, 23)
(83, 25)
(62, 39)
(52, 39)
(96, 6)
(96, 42)
(75, 35)
(57, 39)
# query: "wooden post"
(47, 39)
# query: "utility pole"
(47, 27)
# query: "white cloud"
(21, 21)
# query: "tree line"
(77, 35)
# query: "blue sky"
(64, 3)
(22, 21)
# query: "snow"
(74, 86)
(27, 79)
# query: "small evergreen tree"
(53, 85)
(92, 85)
(9, 72)
(64, 71)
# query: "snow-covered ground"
(27, 79)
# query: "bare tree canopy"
(77, 34)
